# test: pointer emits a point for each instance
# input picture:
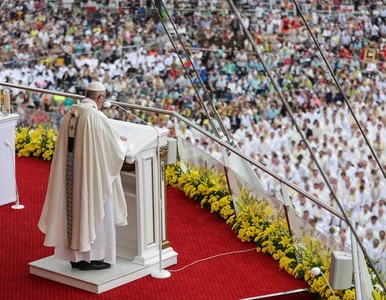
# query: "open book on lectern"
(139, 137)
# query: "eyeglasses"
(104, 96)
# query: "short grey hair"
(92, 94)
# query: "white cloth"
(104, 245)
(98, 158)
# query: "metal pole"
(16, 86)
(278, 294)
(357, 274)
(160, 274)
(289, 110)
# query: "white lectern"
(137, 243)
(7, 158)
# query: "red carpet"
(193, 232)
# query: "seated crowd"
(128, 50)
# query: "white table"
(7, 158)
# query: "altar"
(137, 243)
(7, 158)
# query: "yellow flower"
(34, 141)
(377, 295)
(285, 241)
(226, 211)
(349, 295)
(231, 219)
(268, 211)
(214, 207)
(257, 221)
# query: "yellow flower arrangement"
(38, 142)
(206, 186)
(257, 221)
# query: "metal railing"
(224, 144)
(202, 131)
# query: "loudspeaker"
(341, 270)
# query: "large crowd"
(128, 50)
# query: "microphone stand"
(160, 273)
(316, 272)
(17, 205)
(108, 104)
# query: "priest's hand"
(123, 138)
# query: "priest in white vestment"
(85, 198)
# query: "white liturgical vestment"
(98, 158)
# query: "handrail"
(237, 152)
(27, 88)
(204, 132)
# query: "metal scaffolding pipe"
(27, 88)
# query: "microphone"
(108, 104)
(316, 272)
(17, 204)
